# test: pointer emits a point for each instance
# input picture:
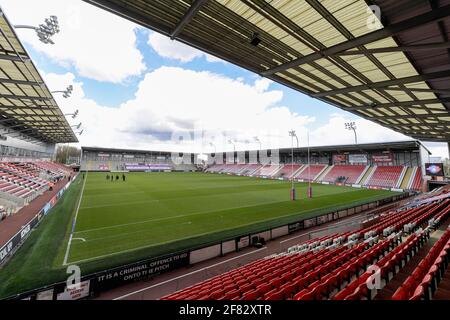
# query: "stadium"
(289, 221)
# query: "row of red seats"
(422, 283)
(14, 189)
(325, 240)
(215, 168)
(267, 171)
(234, 168)
(385, 268)
(417, 180)
(17, 186)
(309, 173)
(250, 169)
(312, 267)
(255, 276)
(385, 176)
(288, 171)
(342, 275)
(422, 219)
(397, 220)
(9, 167)
(55, 169)
(286, 276)
(440, 218)
(317, 275)
(285, 291)
(20, 173)
(351, 172)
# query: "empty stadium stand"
(416, 182)
(341, 266)
(310, 173)
(235, 168)
(250, 169)
(425, 279)
(21, 183)
(288, 170)
(385, 176)
(267, 170)
(216, 168)
(409, 178)
(351, 174)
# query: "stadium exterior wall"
(93, 284)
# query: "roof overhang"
(27, 108)
(395, 73)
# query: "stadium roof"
(26, 104)
(398, 146)
(116, 150)
(395, 146)
(396, 74)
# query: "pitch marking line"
(160, 243)
(178, 198)
(188, 274)
(147, 246)
(187, 215)
(66, 256)
(161, 219)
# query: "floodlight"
(44, 31)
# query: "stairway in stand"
(388, 291)
(443, 289)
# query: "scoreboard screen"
(434, 169)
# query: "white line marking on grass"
(81, 239)
(179, 239)
(122, 203)
(161, 243)
(188, 274)
(112, 193)
(201, 213)
(146, 246)
(66, 256)
(173, 217)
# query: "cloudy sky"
(135, 88)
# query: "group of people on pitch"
(108, 177)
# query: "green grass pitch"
(152, 214)
(150, 210)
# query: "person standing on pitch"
(123, 177)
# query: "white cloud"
(438, 149)
(174, 99)
(172, 49)
(334, 132)
(100, 45)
